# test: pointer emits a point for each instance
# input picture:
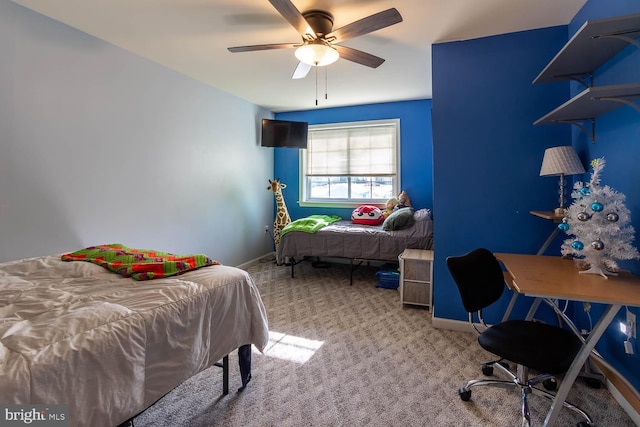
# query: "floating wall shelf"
(593, 102)
(594, 43)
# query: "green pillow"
(402, 218)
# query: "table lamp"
(561, 161)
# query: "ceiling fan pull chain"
(326, 82)
(316, 67)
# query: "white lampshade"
(317, 53)
(560, 161)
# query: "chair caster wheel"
(465, 395)
(487, 370)
(550, 384)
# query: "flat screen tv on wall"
(284, 133)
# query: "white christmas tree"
(599, 221)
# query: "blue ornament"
(577, 245)
(596, 207)
(585, 191)
(564, 226)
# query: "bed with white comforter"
(108, 346)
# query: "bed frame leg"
(351, 273)
(293, 263)
(353, 268)
(244, 360)
(225, 375)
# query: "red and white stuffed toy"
(367, 214)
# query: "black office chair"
(544, 348)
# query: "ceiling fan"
(319, 41)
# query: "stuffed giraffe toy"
(282, 215)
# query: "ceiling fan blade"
(301, 70)
(358, 56)
(293, 15)
(262, 47)
(366, 25)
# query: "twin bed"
(344, 239)
(74, 333)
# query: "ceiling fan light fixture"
(317, 54)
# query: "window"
(351, 163)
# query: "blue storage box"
(388, 279)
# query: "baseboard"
(449, 324)
(619, 387)
(452, 325)
(270, 256)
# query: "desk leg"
(548, 241)
(507, 312)
(579, 361)
(534, 307)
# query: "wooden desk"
(546, 277)
(556, 277)
(550, 216)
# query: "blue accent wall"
(415, 144)
(487, 153)
(618, 141)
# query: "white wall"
(98, 145)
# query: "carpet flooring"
(343, 355)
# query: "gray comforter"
(356, 241)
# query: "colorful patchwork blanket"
(139, 264)
(310, 224)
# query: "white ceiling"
(192, 36)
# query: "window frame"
(348, 203)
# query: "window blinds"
(359, 151)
